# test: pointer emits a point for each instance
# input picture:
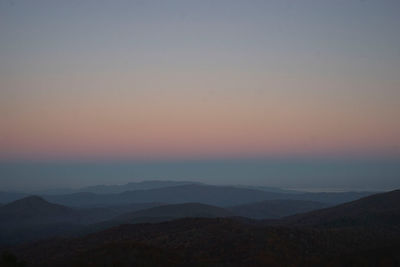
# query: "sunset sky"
(170, 80)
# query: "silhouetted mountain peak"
(29, 201)
(32, 205)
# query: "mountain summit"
(32, 207)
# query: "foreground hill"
(207, 194)
(168, 212)
(214, 242)
(272, 209)
(379, 210)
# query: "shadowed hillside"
(168, 212)
(33, 218)
(33, 209)
(379, 210)
(272, 209)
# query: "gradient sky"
(199, 80)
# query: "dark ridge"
(31, 205)
(272, 209)
(176, 211)
(373, 211)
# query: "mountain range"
(196, 224)
(207, 194)
(115, 189)
(309, 239)
(173, 192)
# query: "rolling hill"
(169, 212)
(273, 209)
(379, 210)
(33, 218)
(33, 209)
(36, 210)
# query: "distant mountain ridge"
(115, 188)
(168, 212)
(97, 189)
(270, 189)
(207, 194)
(133, 186)
(172, 192)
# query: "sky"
(153, 81)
